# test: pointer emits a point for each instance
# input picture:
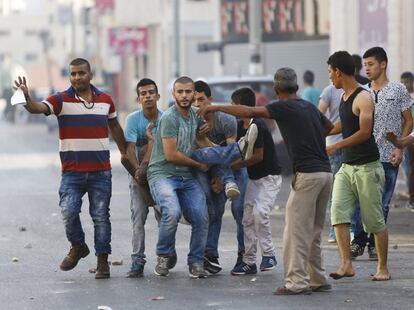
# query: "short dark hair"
(202, 87)
(407, 75)
(79, 62)
(309, 77)
(342, 61)
(244, 96)
(358, 62)
(145, 82)
(183, 80)
(378, 53)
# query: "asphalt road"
(31, 232)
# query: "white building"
(357, 25)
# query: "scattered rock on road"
(116, 261)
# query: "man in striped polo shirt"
(84, 115)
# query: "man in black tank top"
(361, 177)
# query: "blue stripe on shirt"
(83, 120)
(84, 156)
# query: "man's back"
(302, 128)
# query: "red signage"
(282, 20)
(104, 6)
(128, 40)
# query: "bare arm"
(31, 106)
(328, 127)
(240, 111)
(407, 125)
(323, 106)
(130, 151)
(400, 143)
(364, 105)
(176, 157)
(336, 129)
(118, 135)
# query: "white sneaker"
(246, 143)
(232, 191)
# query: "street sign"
(128, 40)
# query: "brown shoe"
(76, 252)
(102, 270)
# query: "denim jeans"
(139, 213)
(221, 158)
(175, 195)
(215, 205)
(237, 206)
(73, 187)
(391, 173)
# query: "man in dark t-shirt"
(262, 188)
(303, 128)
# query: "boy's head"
(308, 77)
(244, 96)
(202, 94)
(147, 92)
(340, 65)
(375, 62)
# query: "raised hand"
(21, 83)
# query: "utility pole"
(44, 36)
(255, 37)
(176, 62)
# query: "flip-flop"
(376, 279)
(337, 276)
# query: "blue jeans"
(98, 185)
(215, 205)
(237, 206)
(221, 157)
(175, 195)
(391, 173)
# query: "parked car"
(223, 87)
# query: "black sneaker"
(161, 269)
(197, 271)
(212, 265)
(356, 250)
(239, 260)
(172, 260)
(136, 271)
(372, 252)
(244, 269)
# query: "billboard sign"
(128, 40)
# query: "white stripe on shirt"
(67, 145)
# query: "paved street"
(31, 231)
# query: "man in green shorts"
(361, 177)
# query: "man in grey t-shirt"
(223, 131)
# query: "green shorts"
(363, 184)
